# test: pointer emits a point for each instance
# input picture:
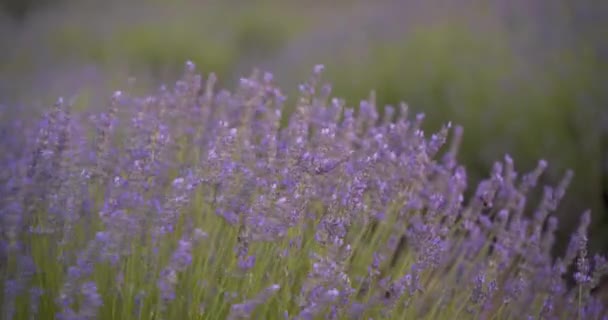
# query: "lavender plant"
(200, 203)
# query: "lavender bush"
(199, 203)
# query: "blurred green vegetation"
(524, 79)
(507, 101)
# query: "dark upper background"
(528, 78)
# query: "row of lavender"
(201, 203)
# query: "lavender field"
(195, 202)
(449, 160)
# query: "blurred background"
(527, 78)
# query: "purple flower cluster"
(319, 210)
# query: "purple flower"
(364, 210)
(245, 309)
(246, 263)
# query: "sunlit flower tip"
(581, 278)
(268, 77)
(199, 234)
(178, 182)
(319, 68)
(503, 214)
(190, 66)
(244, 82)
(332, 293)
(102, 236)
(116, 95)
